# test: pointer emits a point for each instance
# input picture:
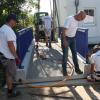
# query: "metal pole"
(38, 16)
(37, 45)
(54, 17)
(76, 5)
(51, 8)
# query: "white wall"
(67, 7)
(94, 30)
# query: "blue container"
(82, 41)
(24, 39)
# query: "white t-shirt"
(95, 59)
(47, 22)
(71, 24)
(7, 34)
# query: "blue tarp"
(24, 39)
(82, 41)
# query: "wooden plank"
(51, 96)
(81, 82)
(52, 79)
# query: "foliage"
(14, 6)
(34, 3)
(9, 6)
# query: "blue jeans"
(72, 44)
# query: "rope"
(51, 96)
(22, 82)
(69, 63)
(70, 66)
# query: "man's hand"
(17, 60)
(65, 43)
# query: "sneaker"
(90, 78)
(50, 46)
(78, 71)
(13, 94)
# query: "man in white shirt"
(8, 55)
(95, 64)
(68, 40)
(47, 24)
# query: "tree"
(6, 7)
(14, 6)
(34, 3)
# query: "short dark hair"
(12, 16)
(96, 48)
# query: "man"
(95, 64)
(8, 55)
(47, 24)
(68, 40)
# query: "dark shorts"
(9, 66)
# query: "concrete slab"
(49, 68)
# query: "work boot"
(91, 78)
(50, 46)
(13, 94)
(78, 71)
(46, 44)
(64, 73)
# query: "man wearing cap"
(8, 55)
(68, 40)
(95, 64)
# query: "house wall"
(67, 8)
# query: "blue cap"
(12, 16)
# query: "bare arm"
(64, 37)
(12, 48)
(92, 68)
